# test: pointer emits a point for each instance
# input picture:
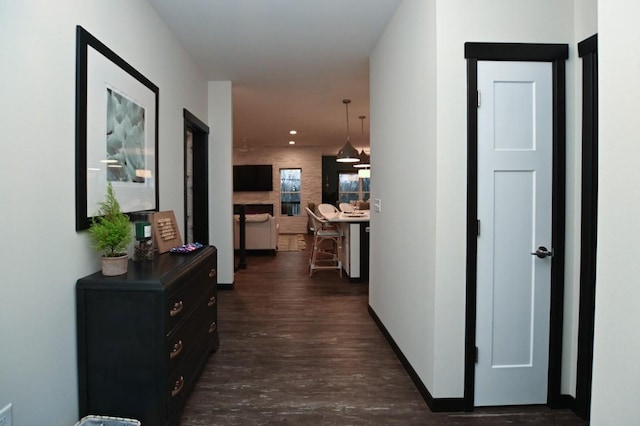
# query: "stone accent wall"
(307, 159)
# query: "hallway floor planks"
(305, 351)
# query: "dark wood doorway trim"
(200, 155)
(588, 50)
(557, 54)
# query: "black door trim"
(557, 54)
(200, 132)
(588, 50)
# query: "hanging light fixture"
(365, 160)
(348, 154)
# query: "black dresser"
(144, 337)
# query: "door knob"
(543, 252)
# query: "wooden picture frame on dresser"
(144, 337)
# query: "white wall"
(220, 172)
(403, 158)
(617, 318)
(417, 284)
(43, 255)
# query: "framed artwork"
(116, 132)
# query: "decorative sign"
(166, 232)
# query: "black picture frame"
(110, 147)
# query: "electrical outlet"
(5, 416)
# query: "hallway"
(305, 351)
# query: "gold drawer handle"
(177, 308)
(213, 327)
(177, 348)
(212, 301)
(177, 387)
(212, 273)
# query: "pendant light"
(364, 157)
(348, 154)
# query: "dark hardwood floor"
(304, 351)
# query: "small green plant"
(110, 230)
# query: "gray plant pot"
(112, 266)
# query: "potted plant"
(111, 235)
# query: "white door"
(514, 208)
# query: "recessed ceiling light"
(293, 132)
(292, 142)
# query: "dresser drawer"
(186, 370)
(192, 335)
(184, 300)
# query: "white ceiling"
(291, 63)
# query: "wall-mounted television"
(255, 177)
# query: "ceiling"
(291, 63)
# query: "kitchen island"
(355, 243)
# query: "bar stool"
(322, 258)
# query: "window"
(290, 180)
(350, 188)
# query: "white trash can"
(106, 421)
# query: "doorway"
(555, 55)
(196, 179)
